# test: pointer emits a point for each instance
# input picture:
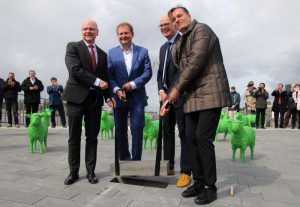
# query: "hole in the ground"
(140, 181)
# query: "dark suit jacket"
(140, 73)
(283, 96)
(11, 92)
(172, 71)
(32, 96)
(81, 74)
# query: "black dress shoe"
(192, 190)
(206, 196)
(72, 178)
(92, 178)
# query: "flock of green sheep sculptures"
(239, 129)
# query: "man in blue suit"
(129, 69)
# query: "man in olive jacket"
(261, 96)
(202, 77)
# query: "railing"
(22, 111)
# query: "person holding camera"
(261, 96)
(55, 102)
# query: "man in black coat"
(32, 88)
(84, 91)
(165, 76)
(279, 105)
(11, 89)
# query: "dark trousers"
(260, 115)
(30, 109)
(298, 118)
(90, 111)
(290, 113)
(1, 103)
(137, 123)
(276, 116)
(169, 122)
(61, 111)
(201, 128)
(11, 106)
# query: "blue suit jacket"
(140, 74)
(55, 95)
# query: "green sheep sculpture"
(242, 137)
(45, 120)
(223, 126)
(150, 131)
(36, 132)
(107, 125)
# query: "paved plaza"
(28, 180)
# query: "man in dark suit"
(32, 88)
(84, 91)
(203, 79)
(165, 76)
(129, 70)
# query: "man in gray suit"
(202, 77)
(84, 92)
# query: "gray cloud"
(259, 39)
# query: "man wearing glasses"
(165, 76)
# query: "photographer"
(261, 96)
(55, 102)
(11, 89)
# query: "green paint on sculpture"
(36, 132)
(242, 137)
(150, 131)
(107, 125)
(223, 126)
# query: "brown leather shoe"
(183, 180)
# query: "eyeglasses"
(164, 25)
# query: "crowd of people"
(32, 88)
(286, 104)
(193, 89)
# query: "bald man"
(85, 91)
(165, 76)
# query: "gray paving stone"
(8, 177)
(145, 204)
(54, 192)
(19, 197)
(280, 195)
(4, 203)
(57, 202)
(102, 200)
(18, 187)
(37, 179)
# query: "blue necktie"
(165, 72)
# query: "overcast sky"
(260, 40)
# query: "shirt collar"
(130, 49)
(87, 44)
(172, 40)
